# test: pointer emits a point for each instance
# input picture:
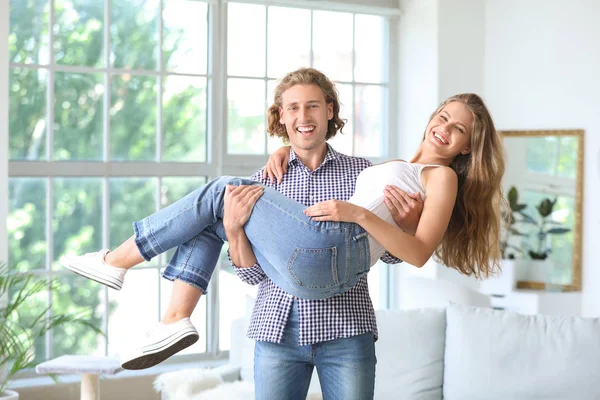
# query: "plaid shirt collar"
(331, 155)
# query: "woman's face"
(449, 132)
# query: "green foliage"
(546, 226)
(516, 216)
(19, 335)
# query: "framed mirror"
(545, 168)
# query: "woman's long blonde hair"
(471, 243)
(304, 76)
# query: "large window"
(118, 108)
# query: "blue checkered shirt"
(340, 316)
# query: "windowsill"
(41, 381)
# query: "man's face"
(305, 114)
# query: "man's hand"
(406, 208)
(238, 204)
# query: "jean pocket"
(360, 253)
(314, 268)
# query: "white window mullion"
(266, 81)
(217, 145)
(49, 181)
(160, 84)
(354, 124)
(106, 158)
(49, 257)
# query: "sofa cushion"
(495, 354)
(410, 354)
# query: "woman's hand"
(335, 210)
(277, 164)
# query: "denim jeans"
(346, 367)
(306, 258)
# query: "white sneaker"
(92, 266)
(161, 343)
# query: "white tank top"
(371, 183)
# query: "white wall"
(541, 72)
(461, 47)
(3, 129)
(441, 53)
(417, 71)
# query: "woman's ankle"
(171, 319)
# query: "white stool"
(89, 367)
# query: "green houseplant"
(17, 337)
(511, 217)
(544, 226)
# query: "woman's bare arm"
(441, 187)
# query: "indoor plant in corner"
(17, 338)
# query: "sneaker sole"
(92, 275)
(152, 359)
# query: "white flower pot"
(9, 395)
(504, 283)
(534, 270)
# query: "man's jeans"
(346, 367)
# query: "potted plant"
(511, 250)
(545, 227)
(17, 338)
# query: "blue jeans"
(308, 259)
(346, 367)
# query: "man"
(335, 335)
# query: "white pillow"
(504, 355)
(410, 354)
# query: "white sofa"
(464, 352)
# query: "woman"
(459, 166)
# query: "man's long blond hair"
(304, 76)
(471, 243)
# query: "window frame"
(218, 162)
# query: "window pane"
(332, 44)
(173, 189)
(77, 219)
(375, 289)
(28, 36)
(198, 317)
(567, 157)
(132, 310)
(36, 303)
(79, 32)
(369, 39)
(26, 223)
(133, 118)
(134, 34)
(541, 154)
(273, 143)
(78, 116)
(184, 119)
(246, 39)
(131, 199)
(342, 142)
(235, 301)
(78, 295)
(245, 116)
(185, 40)
(286, 55)
(368, 133)
(27, 114)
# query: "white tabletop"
(80, 364)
